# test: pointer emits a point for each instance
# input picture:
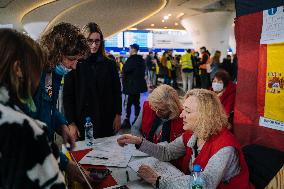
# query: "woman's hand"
(128, 139)
(67, 136)
(74, 131)
(117, 123)
(148, 174)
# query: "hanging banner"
(273, 26)
(274, 93)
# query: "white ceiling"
(189, 8)
(35, 16)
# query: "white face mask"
(217, 87)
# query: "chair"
(263, 164)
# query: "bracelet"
(158, 182)
(137, 146)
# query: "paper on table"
(111, 153)
(165, 169)
(136, 153)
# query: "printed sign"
(273, 26)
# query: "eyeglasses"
(92, 41)
(157, 110)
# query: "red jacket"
(148, 117)
(212, 146)
(228, 98)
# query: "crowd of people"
(197, 131)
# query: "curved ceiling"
(184, 8)
(112, 15)
(34, 16)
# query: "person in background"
(151, 67)
(158, 66)
(172, 67)
(207, 142)
(65, 45)
(119, 63)
(196, 75)
(111, 56)
(204, 76)
(215, 64)
(235, 68)
(225, 90)
(93, 90)
(133, 82)
(227, 65)
(159, 120)
(164, 69)
(187, 70)
(26, 157)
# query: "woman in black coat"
(93, 90)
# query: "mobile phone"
(99, 174)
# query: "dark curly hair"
(63, 39)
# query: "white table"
(119, 174)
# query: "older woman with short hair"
(206, 142)
(159, 119)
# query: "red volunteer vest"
(176, 125)
(212, 146)
(176, 129)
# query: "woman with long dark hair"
(93, 90)
(26, 158)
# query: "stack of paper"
(107, 152)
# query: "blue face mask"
(60, 69)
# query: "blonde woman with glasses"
(206, 142)
(159, 119)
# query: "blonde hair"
(168, 96)
(212, 117)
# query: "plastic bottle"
(197, 182)
(89, 138)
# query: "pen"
(127, 176)
(97, 157)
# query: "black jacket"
(94, 90)
(149, 63)
(134, 75)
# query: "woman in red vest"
(159, 119)
(225, 89)
(206, 142)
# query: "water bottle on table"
(197, 182)
(89, 138)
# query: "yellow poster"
(274, 95)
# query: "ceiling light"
(180, 15)
(165, 27)
(133, 29)
(163, 20)
(176, 24)
(169, 14)
(152, 25)
(166, 17)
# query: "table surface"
(119, 174)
